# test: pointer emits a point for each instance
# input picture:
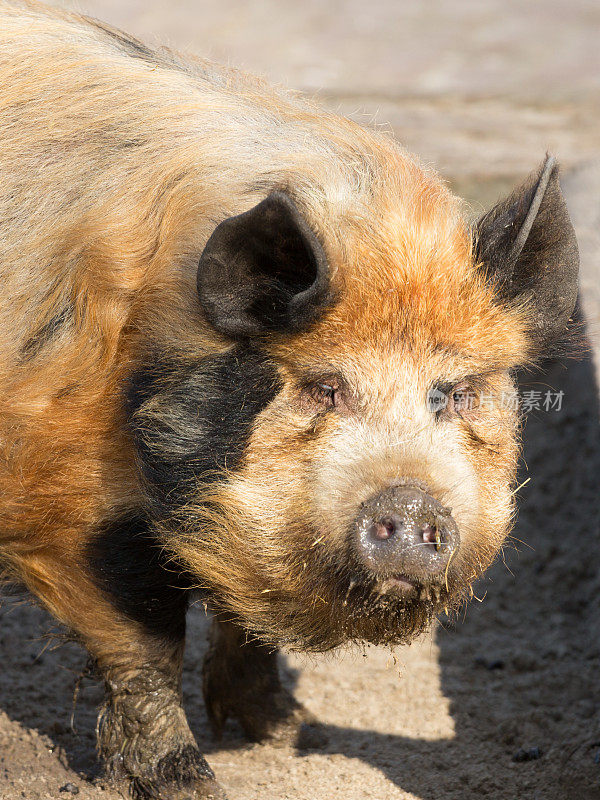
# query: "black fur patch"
(128, 563)
(191, 421)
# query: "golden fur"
(116, 164)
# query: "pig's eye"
(462, 399)
(328, 394)
(325, 394)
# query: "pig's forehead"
(408, 281)
(372, 371)
(442, 321)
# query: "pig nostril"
(431, 535)
(406, 532)
(380, 531)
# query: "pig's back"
(100, 133)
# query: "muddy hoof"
(182, 774)
(294, 725)
(278, 718)
(201, 789)
(241, 680)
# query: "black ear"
(263, 270)
(528, 248)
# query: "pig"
(243, 346)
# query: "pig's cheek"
(493, 455)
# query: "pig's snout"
(405, 533)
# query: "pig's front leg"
(143, 735)
(119, 601)
(241, 680)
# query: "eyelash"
(459, 399)
(462, 398)
(325, 394)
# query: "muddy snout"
(405, 532)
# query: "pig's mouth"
(409, 588)
(389, 609)
(337, 599)
(384, 610)
(348, 603)
(400, 585)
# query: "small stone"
(531, 754)
(70, 788)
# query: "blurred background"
(481, 88)
(504, 703)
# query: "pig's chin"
(391, 611)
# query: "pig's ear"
(527, 246)
(262, 271)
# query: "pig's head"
(344, 468)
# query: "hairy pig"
(243, 346)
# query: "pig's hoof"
(204, 789)
(241, 680)
(276, 717)
(180, 775)
(286, 722)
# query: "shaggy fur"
(164, 430)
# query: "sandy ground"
(443, 719)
